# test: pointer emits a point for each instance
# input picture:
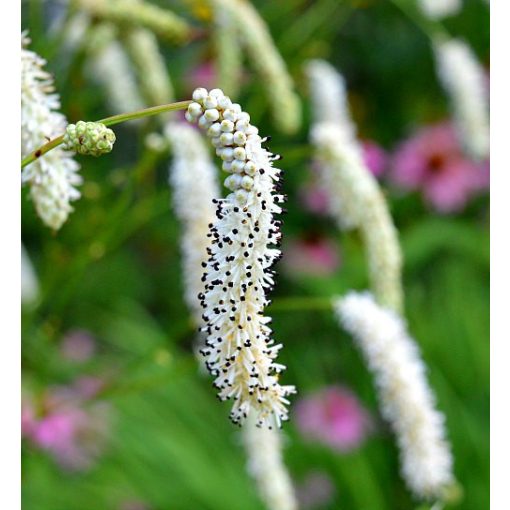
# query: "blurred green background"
(113, 271)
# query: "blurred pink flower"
(374, 156)
(314, 198)
(316, 256)
(78, 345)
(334, 417)
(432, 161)
(316, 490)
(71, 429)
(202, 75)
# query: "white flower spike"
(407, 401)
(266, 466)
(239, 350)
(52, 178)
(355, 199)
(464, 81)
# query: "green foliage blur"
(114, 271)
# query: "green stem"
(108, 121)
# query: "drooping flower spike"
(52, 178)
(464, 81)
(239, 350)
(407, 401)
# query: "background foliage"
(114, 270)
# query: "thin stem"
(108, 121)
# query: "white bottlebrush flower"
(354, 197)
(52, 178)
(407, 401)
(29, 281)
(267, 61)
(266, 466)
(194, 184)
(436, 9)
(464, 81)
(239, 350)
(110, 67)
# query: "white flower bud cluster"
(407, 401)
(267, 61)
(437, 9)
(355, 199)
(52, 178)
(239, 350)
(89, 138)
(194, 184)
(266, 466)
(464, 81)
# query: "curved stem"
(108, 121)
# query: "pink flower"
(374, 156)
(432, 161)
(70, 429)
(316, 490)
(202, 75)
(317, 256)
(333, 416)
(78, 345)
(314, 198)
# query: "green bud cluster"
(89, 138)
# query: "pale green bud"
(89, 138)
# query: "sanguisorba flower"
(194, 184)
(407, 401)
(52, 178)
(239, 350)
(464, 80)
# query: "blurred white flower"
(406, 399)
(267, 61)
(266, 466)
(464, 81)
(353, 194)
(29, 281)
(194, 184)
(53, 176)
(436, 9)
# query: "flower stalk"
(108, 121)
